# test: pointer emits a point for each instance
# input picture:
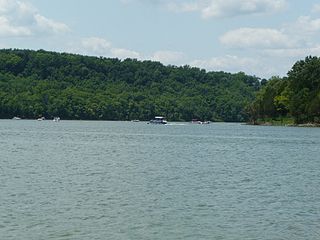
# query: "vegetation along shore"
(292, 100)
(37, 84)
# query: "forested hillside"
(41, 83)
(296, 96)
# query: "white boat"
(195, 121)
(41, 119)
(158, 120)
(56, 119)
(16, 118)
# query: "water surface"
(124, 180)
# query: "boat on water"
(195, 121)
(56, 119)
(41, 119)
(158, 120)
(16, 118)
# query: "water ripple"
(118, 180)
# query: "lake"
(125, 180)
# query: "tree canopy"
(296, 96)
(42, 83)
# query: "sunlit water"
(123, 180)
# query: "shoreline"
(270, 124)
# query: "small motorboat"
(195, 121)
(158, 120)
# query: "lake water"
(123, 180)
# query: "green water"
(123, 180)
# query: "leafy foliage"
(297, 95)
(41, 83)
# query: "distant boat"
(16, 118)
(195, 121)
(135, 120)
(56, 119)
(158, 120)
(41, 119)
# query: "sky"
(259, 37)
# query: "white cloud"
(274, 49)
(168, 57)
(8, 30)
(230, 63)
(225, 63)
(96, 45)
(292, 39)
(256, 38)
(101, 47)
(19, 19)
(228, 8)
(219, 8)
(259, 66)
(45, 24)
(304, 31)
(124, 53)
(316, 8)
(297, 53)
(307, 25)
(6, 5)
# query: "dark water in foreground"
(123, 180)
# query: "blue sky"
(259, 37)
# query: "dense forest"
(41, 83)
(296, 96)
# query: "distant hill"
(42, 83)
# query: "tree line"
(295, 96)
(41, 83)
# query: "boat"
(41, 119)
(135, 120)
(56, 119)
(158, 120)
(16, 118)
(195, 121)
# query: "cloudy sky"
(259, 37)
